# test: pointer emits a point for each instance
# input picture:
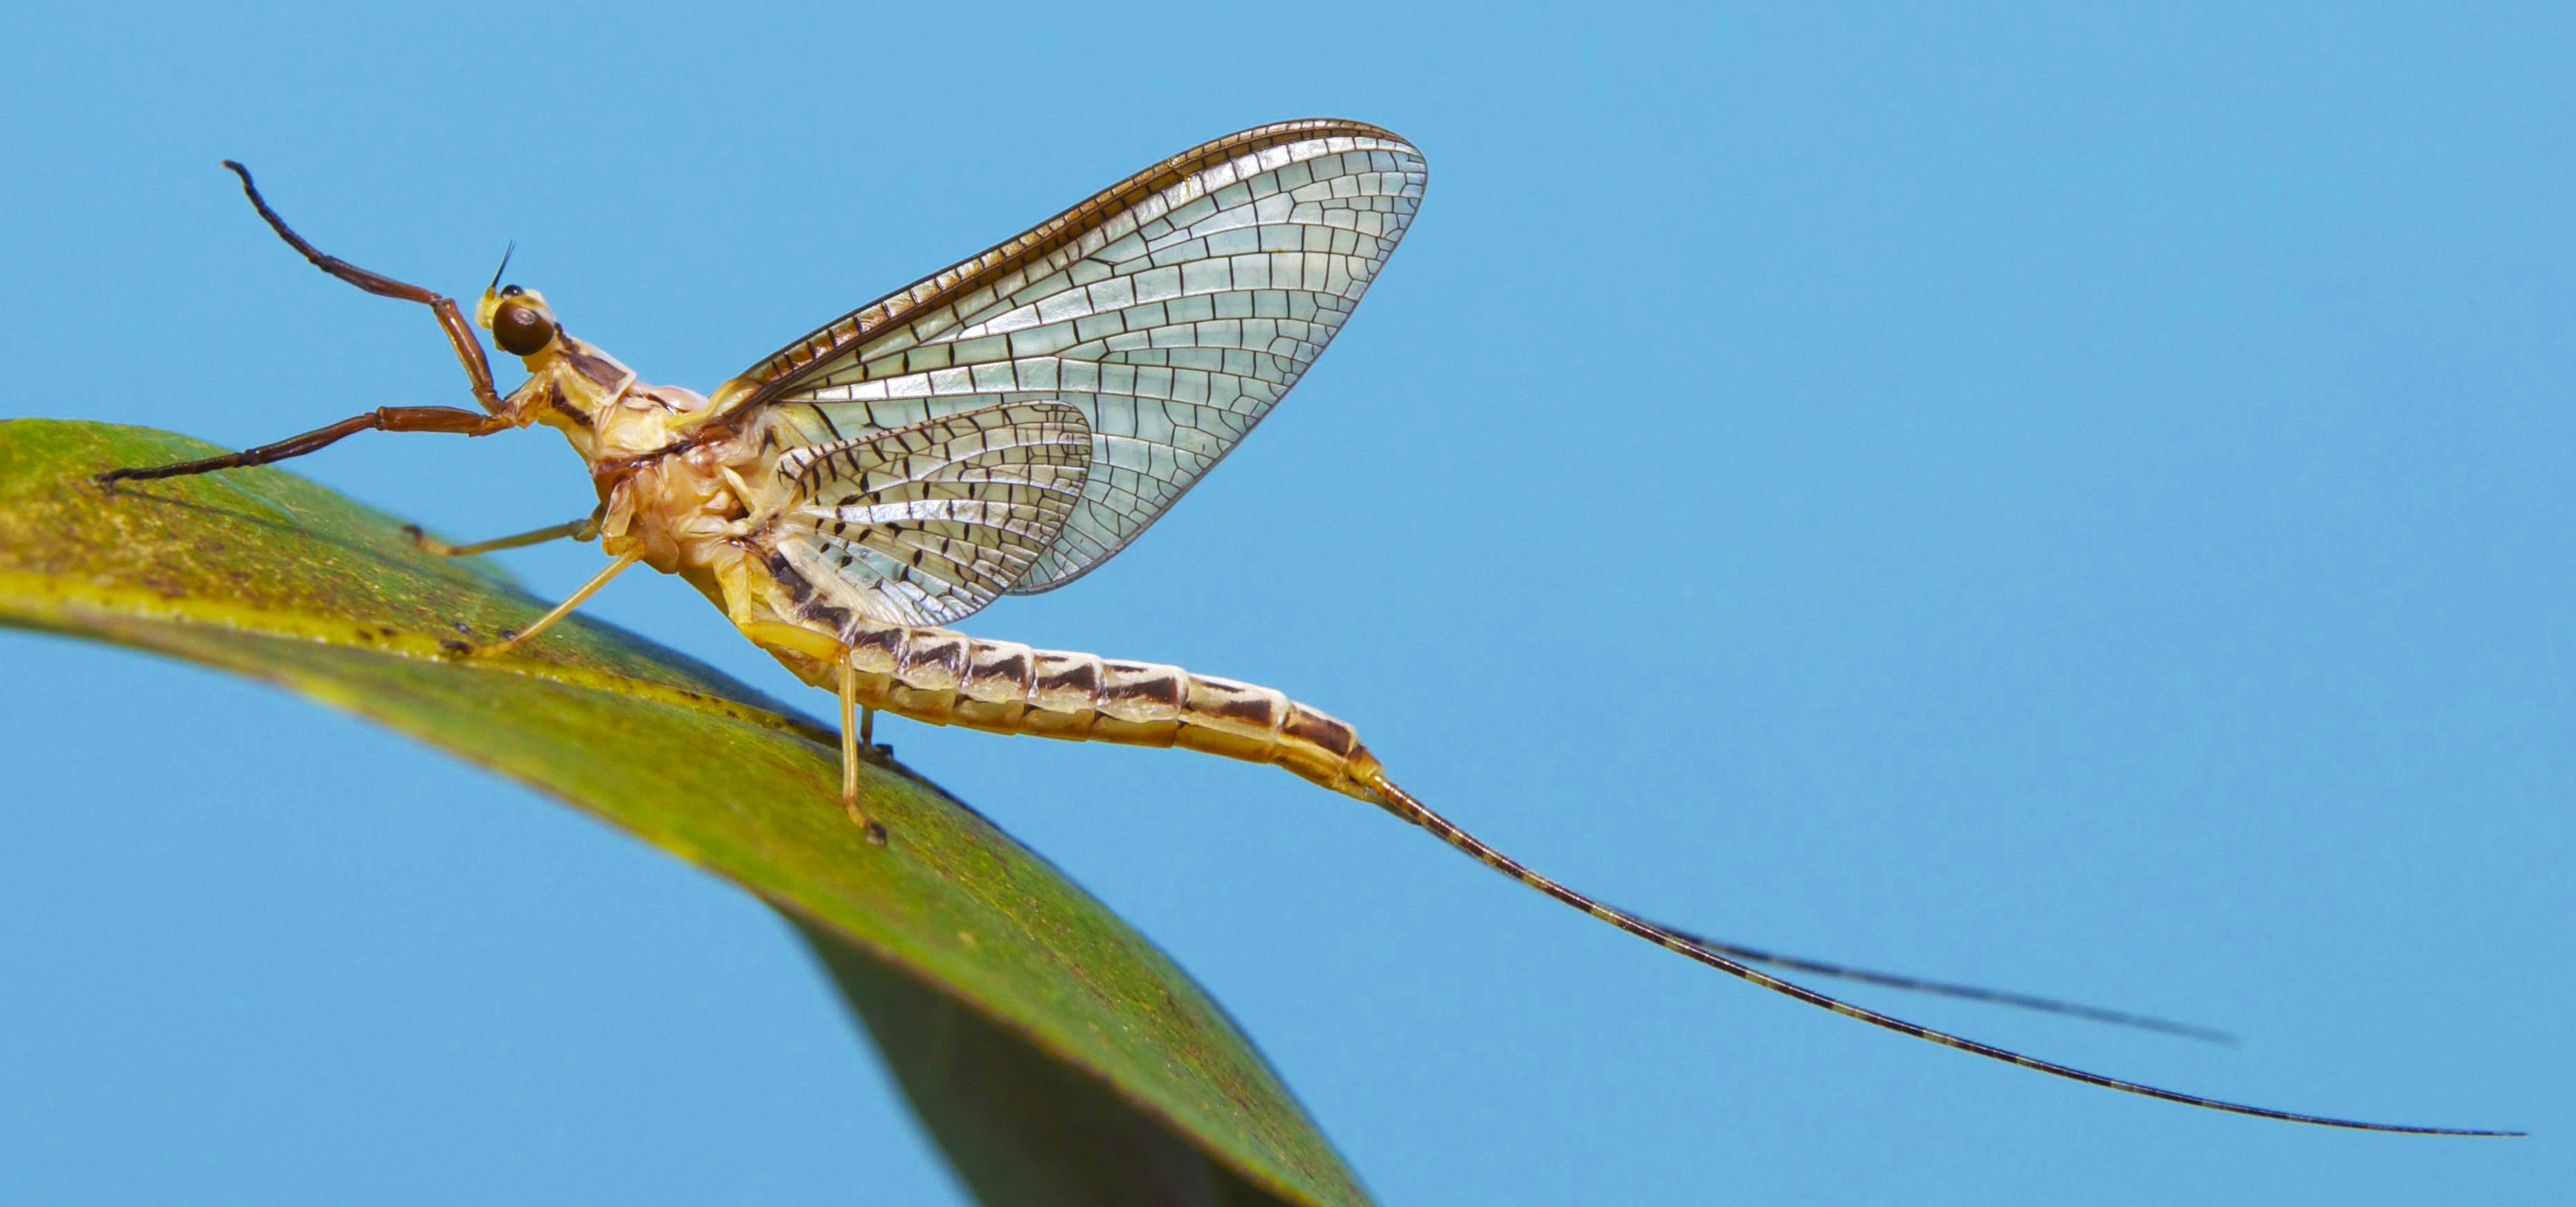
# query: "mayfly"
(1004, 426)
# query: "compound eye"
(520, 330)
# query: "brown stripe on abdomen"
(999, 677)
(948, 678)
(930, 667)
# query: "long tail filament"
(1403, 804)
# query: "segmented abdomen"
(948, 678)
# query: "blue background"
(2073, 502)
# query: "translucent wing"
(1173, 309)
(927, 523)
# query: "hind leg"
(853, 738)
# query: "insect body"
(1004, 426)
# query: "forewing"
(1173, 309)
(927, 523)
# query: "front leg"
(460, 334)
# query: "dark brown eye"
(520, 330)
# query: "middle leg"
(580, 530)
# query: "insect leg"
(561, 610)
(580, 530)
(460, 334)
(384, 419)
(852, 735)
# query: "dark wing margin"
(781, 370)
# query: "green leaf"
(1056, 1055)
